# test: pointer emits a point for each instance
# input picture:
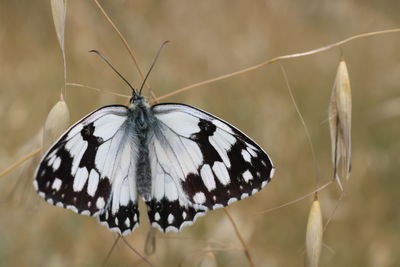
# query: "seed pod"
(56, 123)
(208, 260)
(314, 234)
(59, 8)
(340, 121)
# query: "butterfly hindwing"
(202, 163)
(168, 209)
(85, 167)
(167, 215)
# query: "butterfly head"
(136, 100)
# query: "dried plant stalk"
(56, 123)
(239, 236)
(20, 161)
(340, 122)
(59, 11)
(277, 59)
(314, 234)
(150, 245)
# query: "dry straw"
(59, 11)
(314, 234)
(340, 122)
(57, 122)
(150, 244)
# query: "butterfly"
(180, 160)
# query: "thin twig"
(20, 161)
(276, 59)
(246, 249)
(136, 252)
(302, 122)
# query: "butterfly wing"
(87, 170)
(199, 162)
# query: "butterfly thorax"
(141, 124)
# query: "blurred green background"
(211, 38)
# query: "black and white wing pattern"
(91, 170)
(198, 163)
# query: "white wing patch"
(221, 172)
(208, 177)
(83, 173)
(199, 162)
(188, 122)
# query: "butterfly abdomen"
(143, 122)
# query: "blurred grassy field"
(211, 38)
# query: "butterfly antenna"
(112, 67)
(152, 64)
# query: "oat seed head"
(57, 122)
(314, 234)
(340, 121)
(209, 260)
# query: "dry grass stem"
(297, 199)
(276, 59)
(239, 236)
(127, 47)
(97, 89)
(121, 37)
(20, 161)
(111, 251)
(340, 122)
(59, 10)
(302, 122)
(314, 234)
(150, 244)
(208, 241)
(57, 122)
(342, 194)
(143, 258)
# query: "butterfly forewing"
(200, 162)
(79, 171)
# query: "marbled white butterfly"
(180, 160)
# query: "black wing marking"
(83, 170)
(206, 162)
